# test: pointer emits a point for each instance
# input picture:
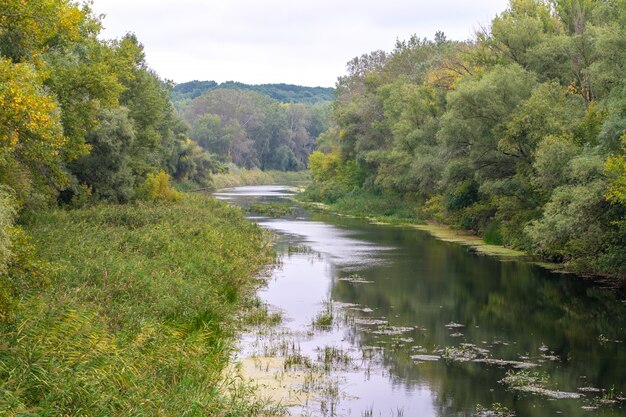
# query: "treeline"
(253, 130)
(183, 93)
(81, 119)
(518, 135)
(81, 115)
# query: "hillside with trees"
(183, 93)
(518, 136)
(253, 130)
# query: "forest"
(518, 136)
(285, 93)
(253, 130)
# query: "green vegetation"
(496, 410)
(236, 177)
(325, 318)
(517, 136)
(271, 209)
(83, 120)
(364, 203)
(118, 294)
(255, 131)
(183, 93)
(137, 315)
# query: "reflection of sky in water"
(298, 287)
(301, 285)
(343, 247)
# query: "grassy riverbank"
(138, 314)
(238, 177)
(398, 211)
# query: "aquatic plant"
(271, 209)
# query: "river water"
(406, 325)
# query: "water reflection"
(412, 303)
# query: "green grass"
(239, 177)
(140, 314)
(361, 203)
(271, 209)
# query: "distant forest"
(285, 93)
(253, 130)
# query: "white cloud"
(267, 41)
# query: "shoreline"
(475, 243)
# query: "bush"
(156, 187)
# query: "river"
(402, 324)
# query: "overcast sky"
(272, 41)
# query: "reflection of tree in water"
(431, 283)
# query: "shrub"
(156, 187)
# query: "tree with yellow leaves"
(31, 135)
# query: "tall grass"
(7, 216)
(362, 203)
(140, 314)
(237, 177)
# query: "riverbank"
(439, 231)
(237, 177)
(136, 313)
(399, 212)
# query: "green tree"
(207, 132)
(107, 168)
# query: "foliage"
(514, 136)
(334, 176)
(29, 29)
(139, 316)
(285, 93)
(81, 112)
(236, 177)
(253, 130)
(616, 170)
(107, 168)
(31, 135)
(156, 187)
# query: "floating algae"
(589, 389)
(468, 352)
(369, 322)
(356, 279)
(534, 383)
(501, 362)
(393, 330)
(425, 358)
(460, 354)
